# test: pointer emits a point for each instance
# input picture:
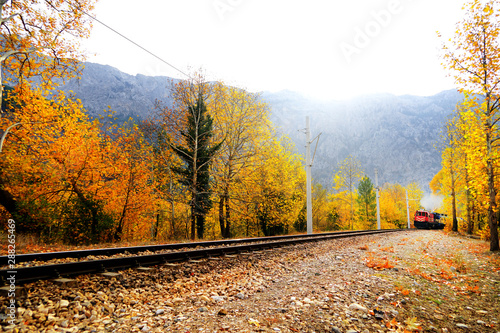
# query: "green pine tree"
(197, 153)
(367, 201)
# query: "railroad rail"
(179, 252)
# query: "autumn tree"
(255, 176)
(197, 152)
(367, 201)
(278, 188)
(344, 183)
(462, 130)
(474, 60)
(471, 142)
(393, 206)
(333, 219)
(39, 38)
(241, 123)
(463, 179)
(414, 195)
(320, 209)
(131, 198)
(75, 183)
(450, 173)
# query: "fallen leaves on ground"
(378, 263)
(414, 285)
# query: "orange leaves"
(389, 249)
(473, 289)
(378, 263)
(466, 289)
(416, 271)
(59, 159)
(42, 30)
(410, 325)
(405, 292)
(392, 324)
(447, 275)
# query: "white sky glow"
(327, 49)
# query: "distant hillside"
(129, 95)
(395, 134)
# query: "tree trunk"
(200, 225)
(470, 222)
(157, 225)
(222, 221)
(119, 229)
(8, 201)
(454, 209)
(228, 216)
(352, 211)
(193, 222)
(453, 194)
(492, 217)
(172, 220)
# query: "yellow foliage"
(41, 38)
(344, 185)
(473, 59)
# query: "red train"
(427, 220)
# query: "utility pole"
(308, 178)
(309, 163)
(5, 133)
(377, 196)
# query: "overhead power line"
(128, 39)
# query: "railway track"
(163, 254)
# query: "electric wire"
(128, 39)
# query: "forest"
(211, 164)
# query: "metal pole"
(5, 134)
(377, 196)
(308, 178)
(407, 209)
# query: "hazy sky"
(329, 49)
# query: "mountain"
(133, 96)
(395, 134)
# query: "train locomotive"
(427, 220)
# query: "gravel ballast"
(418, 281)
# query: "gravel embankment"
(418, 281)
